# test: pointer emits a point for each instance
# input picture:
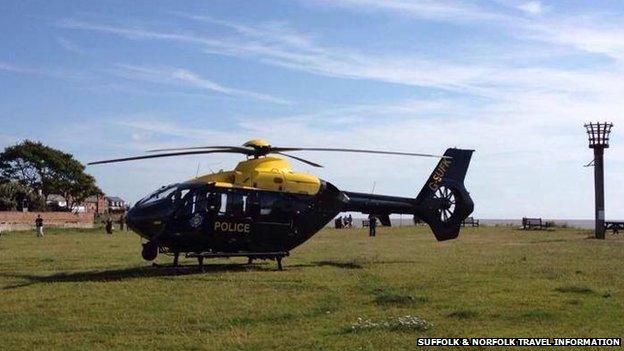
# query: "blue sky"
(514, 80)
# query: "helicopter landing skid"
(276, 256)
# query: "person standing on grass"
(39, 226)
(372, 224)
(122, 221)
(109, 225)
(338, 223)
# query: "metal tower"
(598, 134)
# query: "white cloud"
(600, 33)
(149, 126)
(589, 34)
(180, 76)
(303, 54)
(61, 73)
(444, 10)
(9, 67)
(128, 32)
(532, 7)
(69, 45)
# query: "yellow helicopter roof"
(265, 173)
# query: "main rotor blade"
(163, 155)
(279, 149)
(235, 148)
(300, 159)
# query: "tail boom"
(443, 203)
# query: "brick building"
(96, 204)
(115, 204)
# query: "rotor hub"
(257, 143)
(259, 147)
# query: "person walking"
(39, 226)
(372, 224)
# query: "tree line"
(31, 171)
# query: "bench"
(470, 221)
(614, 226)
(533, 223)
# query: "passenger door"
(232, 226)
(273, 221)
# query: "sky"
(513, 80)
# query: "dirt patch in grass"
(385, 294)
(537, 314)
(575, 289)
(396, 298)
(549, 241)
(339, 264)
(462, 314)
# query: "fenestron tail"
(444, 202)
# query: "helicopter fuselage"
(203, 217)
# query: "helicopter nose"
(142, 222)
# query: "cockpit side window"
(236, 205)
(267, 203)
(229, 203)
(183, 193)
(162, 193)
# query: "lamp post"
(598, 135)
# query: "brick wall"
(12, 220)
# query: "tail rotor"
(444, 202)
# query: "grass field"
(81, 289)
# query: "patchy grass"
(82, 289)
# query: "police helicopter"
(263, 208)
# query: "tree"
(47, 171)
(13, 195)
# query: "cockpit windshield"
(162, 193)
